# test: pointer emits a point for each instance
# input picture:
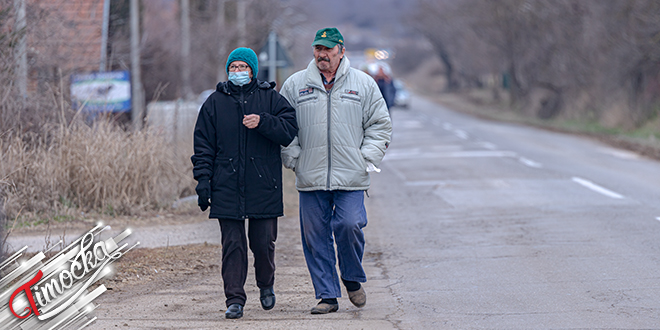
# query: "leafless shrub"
(99, 167)
(118, 169)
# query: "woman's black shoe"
(234, 311)
(267, 298)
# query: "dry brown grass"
(99, 168)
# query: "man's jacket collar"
(314, 75)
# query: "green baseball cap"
(328, 37)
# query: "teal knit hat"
(246, 55)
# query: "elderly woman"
(237, 164)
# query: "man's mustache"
(327, 59)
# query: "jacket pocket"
(269, 176)
(264, 173)
(303, 100)
(362, 160)
(224, 169)
(351, 97)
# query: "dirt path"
(173, 280)
(179, 287)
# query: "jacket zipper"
(241, 158)
(327, 185)
(232, 164)
(255, 166)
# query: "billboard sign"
(101, 91)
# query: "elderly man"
(344, 129)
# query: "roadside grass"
(78, 171)
(36, 220)
(37, 195)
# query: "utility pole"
(104, 35)
(185, 49)
(21, 48)
(222, 48)
(136, 82)
(240, 22)
(272, 56)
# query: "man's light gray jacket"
(339, 130)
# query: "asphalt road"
(485, 225)
(472, 225)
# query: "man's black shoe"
(234, 311)
(267, 298)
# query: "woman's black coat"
(244, 165)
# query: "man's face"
(327, 59)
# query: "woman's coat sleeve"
(204, 143)
(281, 126)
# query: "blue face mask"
(239, 78)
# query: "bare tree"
(162, 56)
(48, 60)
(451, 27)
(3, 225)
(629, 54)
(559, 57)
(442, 33)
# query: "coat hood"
(225, 88)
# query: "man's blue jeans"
(326, 213)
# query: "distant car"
(402, 97)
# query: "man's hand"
(251, 121)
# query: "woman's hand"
(251, 121)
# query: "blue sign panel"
(101, 91)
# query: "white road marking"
(623, 154)
(488, 145)
(530, 162)
(596, 188)
(446, 148)
(415, 137)
(455, 154)
(461, 134)
(481, 153)
(426, 183)
(409, 153)
(396, 172)
(411, 124)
